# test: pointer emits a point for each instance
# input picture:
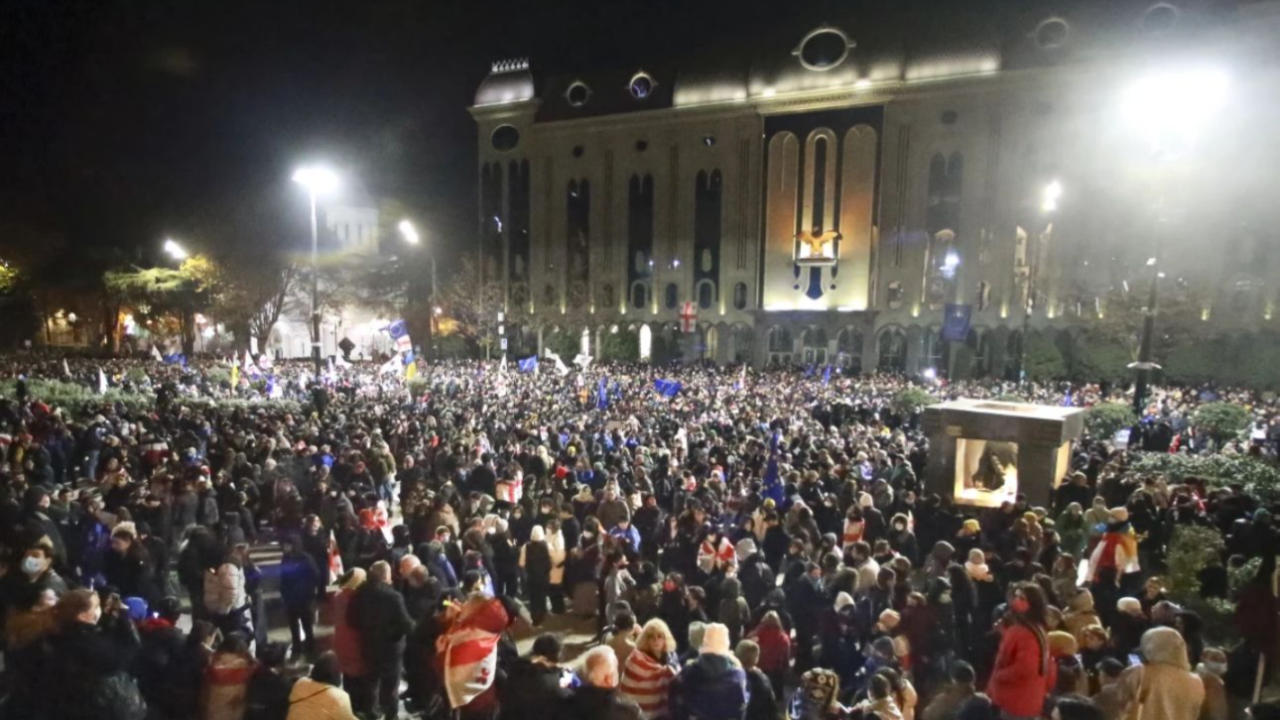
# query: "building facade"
(825, 196)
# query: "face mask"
(1019, 605)
(32, 566)
(669, 586)
(900, 527)
(97, 614)
(1217, 668)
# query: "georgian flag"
(709, 555)
(468, 652)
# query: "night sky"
(124, 121)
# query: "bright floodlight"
(929, 373)
(316, 179)
(1151, 261)
(1052, 192)
(175, 251)
(409, 232)
(1171, 106)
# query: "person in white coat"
(555, 544)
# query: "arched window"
(815, 346)
(779, 340)
(639, 295)
(849, 349)
(740, 296)
(671, 296)
(893, 350)
(706, 294)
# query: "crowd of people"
(753, 545)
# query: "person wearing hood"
(320, 696)
(733, 610)
(902, 539)
(1127, 627)
(535, 558)
(817, 698)
(1080, 614)
(1163, 686)
(1212, 668)
(1096, 519)
(713, 686)
(1070, 526)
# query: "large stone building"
(824, 193)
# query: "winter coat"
(312, 700)
(346, 638)
(555, 546)
(532, 689)
(224, 589)
(711, 687)
(594, 703)
(378, 613)
(1080, 616)
(762, 704)
(91, 665)
(1023, 674)
(268, 695)
(775, 649)
(1163, 687)
(298, 579)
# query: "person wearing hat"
(713, 686)
(1118, 550)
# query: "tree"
(1177, 321)
(182, 292)
(1103, 420)
(1220, 420)
(1044, 360)
(472, 309)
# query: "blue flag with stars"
(528, 364)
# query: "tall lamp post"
(1166, 110)
(410, 235)
(317, 180)
(1048, 205)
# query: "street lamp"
(410, 235)
(174, 250)
(1167, 109)
(317, 180)
(1048, 205)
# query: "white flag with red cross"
(688, 317)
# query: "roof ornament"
(509, 65)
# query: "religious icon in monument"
(986, 471)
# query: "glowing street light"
(318, 180)
(1167, 109)
(408, 232)
(174, 250)
(1052, 192)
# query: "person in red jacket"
(775, 650)
(1023, 674)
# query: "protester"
(779, 506)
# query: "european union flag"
(826, 376)
(955, 322)
(772, 479)
(528, 364)
(176, 359)
(397, 328)
(667, 388)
